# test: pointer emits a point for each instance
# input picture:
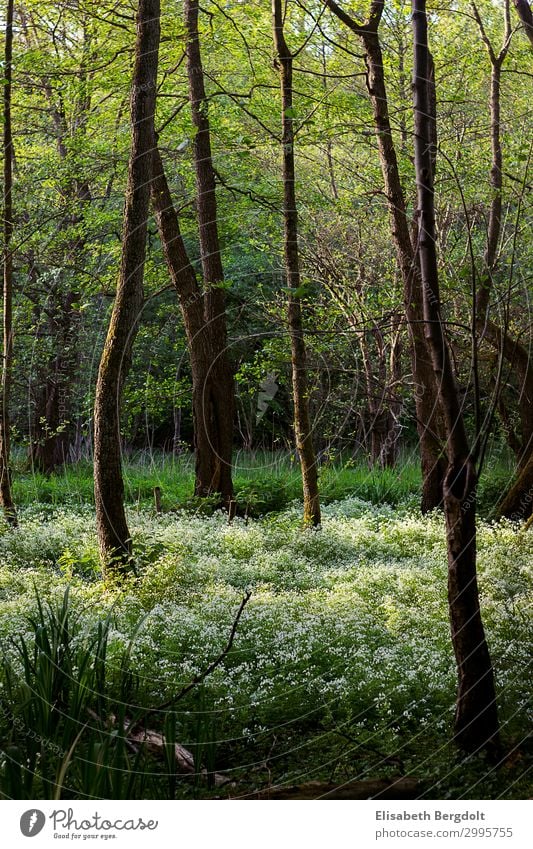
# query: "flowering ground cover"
(341, 667)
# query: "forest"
(266, 401)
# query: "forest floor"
(341, 667)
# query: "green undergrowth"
(263, 483)
(341, 667)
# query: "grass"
(342, 665)
(263, 482)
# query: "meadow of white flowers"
(347, 626)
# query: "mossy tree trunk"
(113, 533)
(300, 386)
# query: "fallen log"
(401, 787)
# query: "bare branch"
(201, 676)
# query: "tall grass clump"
(63, 711)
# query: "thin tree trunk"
(519, 363)
(376, 425)
(6, 499)
(302, 422)
(426, 397)
(213, 376)
(113, 534)
(390, 448)
(176, 436)
(329, 145)
(378, 397)
(476, 719)
(495, 214)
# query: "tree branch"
(201, 676)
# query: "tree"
(52, 431)
(71, 144)
(212, 406)
(523, 10)
(112, 528)
(426, 399)
(352, 261)
(6, 499)
(517, 501)
(499, 337)
(204, 312)
(302, 422)
(476, 719)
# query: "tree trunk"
(390, 448)
(476, 720)
(6, 499)
(214, 390)
(212, 402)
(428, 414)
(52, 430)
(523, 10)
(381, 401)
(176, 436)
(518, 501)
(113, 534)
(519, 364)
(302, 422)
(516, 355)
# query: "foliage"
(70, 93)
